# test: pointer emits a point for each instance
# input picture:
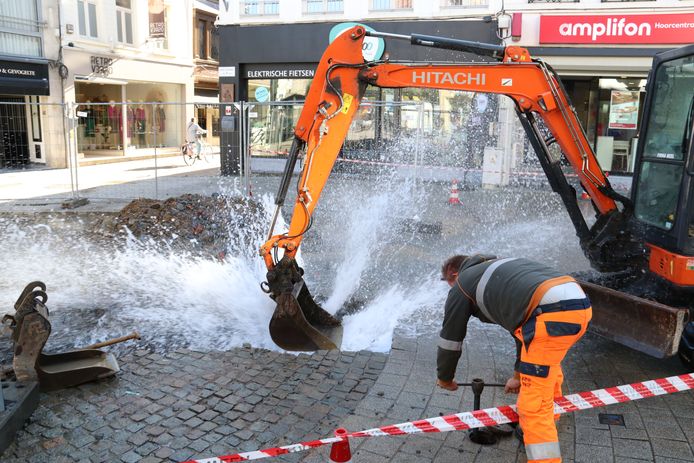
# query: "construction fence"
(112, 150)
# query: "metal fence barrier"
(128, 150)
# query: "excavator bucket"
(298, 323)
(641, 324)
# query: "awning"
(23, 78)
(100, 80)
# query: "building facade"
(281, 42)
(29, 78)
(84, 71)
(125, 60)
(206, 71)
(602, 60)
(603, 52)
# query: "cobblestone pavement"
(185, 404)
(182, 404)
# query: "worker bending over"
(546, 311)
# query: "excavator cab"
(663, 188)
(663, 185)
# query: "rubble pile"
(208, 225)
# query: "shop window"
(214, 43)
(323, 6)
(206, 44)
(385, 5)
(21, 31)
(202, 39)
(469, 3)
(86, 12)
(124, 21)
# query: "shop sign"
(279, 71)
(618, 29)
(157, 25)
(624, 110)
(23, 70)
(372, 47)
(227, 71)
(101, 65)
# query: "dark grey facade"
(297, 48)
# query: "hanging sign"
(618, 28)
(624, 110)
(157, 24)
(372, 48)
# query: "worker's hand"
(512, 386)
(448, 385)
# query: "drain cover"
(611, 419)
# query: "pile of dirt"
(208, 225)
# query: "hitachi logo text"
(440, 77)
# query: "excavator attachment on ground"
(30, 328)
(650, 234)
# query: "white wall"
(291, 11)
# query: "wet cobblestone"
(215, 403)
(218, 403)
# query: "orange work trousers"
(541, 378)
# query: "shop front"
(274, 67)
(21, 83)
(603, 62)
(121, 109)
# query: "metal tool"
(110, 342)
(488, 435)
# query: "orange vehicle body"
(334, 98)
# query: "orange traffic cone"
(453, 198)
(340, 452)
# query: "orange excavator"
(643, 245)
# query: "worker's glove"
(448, 385)
(512, 386)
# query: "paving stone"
(592, 454)
(638, 449)
(672, 449)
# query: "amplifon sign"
(618, 29)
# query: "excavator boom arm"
(611, 243)
(340, 81)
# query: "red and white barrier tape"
(486, 417)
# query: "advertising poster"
(624, 110)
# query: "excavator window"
(665, 143)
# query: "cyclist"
(193, 132)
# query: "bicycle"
(188, 152)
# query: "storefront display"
(138, 107)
